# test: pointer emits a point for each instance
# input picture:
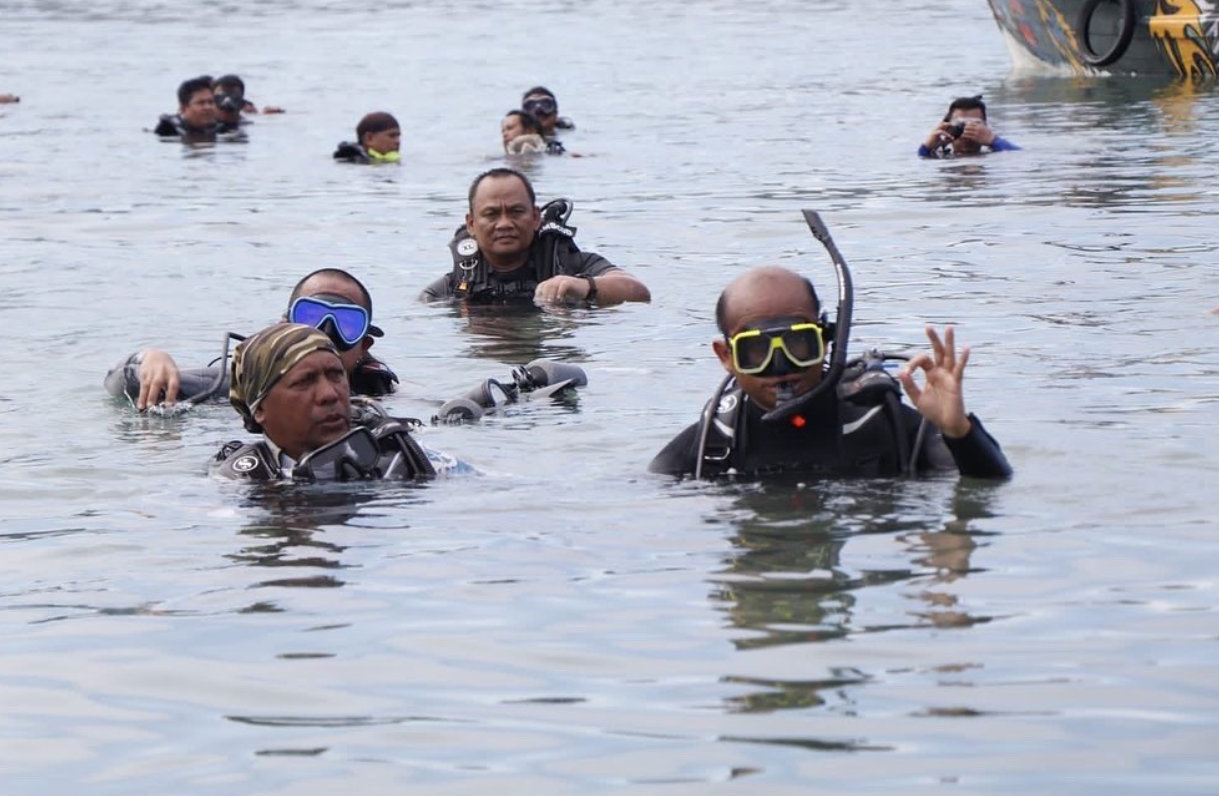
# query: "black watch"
(592, 289)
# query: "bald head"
(765, 292)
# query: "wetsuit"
(371, 377)
(378, 448)
(172, 124)
(839, 437)
(351, 153)
(998, 145)
(553, 253)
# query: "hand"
(940, 400)
(938, 136)
(158, 375)
(272, 109)
(561, 289)
(977, 131)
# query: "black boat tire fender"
(1124, 35)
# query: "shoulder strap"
(718, 437)
(469, 270)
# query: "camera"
(956, 129)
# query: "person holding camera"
(963, 131)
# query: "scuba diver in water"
(963, 131)
(232, 104)
(196, 119)
(509, 248)
(329, 299)
(780, 410)
(289, 383)
(378, 140)
(522, 135)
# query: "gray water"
(566, 623)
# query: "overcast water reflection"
(564, 622)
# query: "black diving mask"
(543, 106)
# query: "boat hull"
(1154, 37)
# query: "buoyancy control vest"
(553, 243)
(377, 447)
(869, 435)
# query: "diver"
(544, 106)
(509, 248)
(289, 383)
(196, 119)
(329, 298)
(963, 131)
(522, 135)
(378, 140)
(232, 105)
(781, 410)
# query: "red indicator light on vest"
(798, 421)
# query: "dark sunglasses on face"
(541, 107)
(349, 322)
(753, 349)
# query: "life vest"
(377, 447)
(870, 423)
(553, 242)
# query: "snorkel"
(842, 325)
(829, 379)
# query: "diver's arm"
(977, 453)
(438, 290)
(612, 287)
(680, 456)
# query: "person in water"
(773, 348)
(378, 139)
(963, 131)
(521, 134)
(5, 99)
(196, 119)
(510, 248)
(329, 298)
(232, 105)
(544, 106)
(288, 382)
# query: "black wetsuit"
(172, 124)
(491, 285)
(351, 153)
(838, 437)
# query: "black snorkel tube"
(842, 324)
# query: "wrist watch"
(592, 289)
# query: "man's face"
(201, 110)
(333, 285)
(776, 303)
(503, 221)
(543, 108)
(308, 407)
(385, 141)
(511, 127)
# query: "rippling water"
(567, 623)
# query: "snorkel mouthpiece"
(784, 392)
